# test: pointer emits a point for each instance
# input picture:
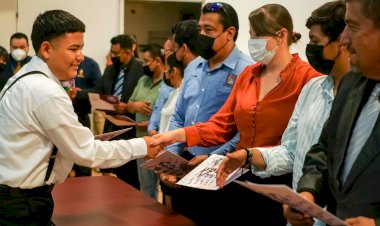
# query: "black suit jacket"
(106, 86)
(131, 77)
(360, 194)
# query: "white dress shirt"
(168, 110)
(37, 113)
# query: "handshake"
(158, 142)
(152, 148)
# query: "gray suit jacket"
(360, 194)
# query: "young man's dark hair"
(228, 15)
(19, 35)
(187, 32)
(155, 51)
(371, 9)
(52, 24)
(172, 62)
(330, 17)
(125, 41)
(3, 53)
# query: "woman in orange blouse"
(260, 104)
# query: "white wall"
(103, 19)
(7, 21)
(300, 11)
(141, 17)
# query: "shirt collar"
(37, 64)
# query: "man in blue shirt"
(207, 83)
(154, 120)
(183, 43)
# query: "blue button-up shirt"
(154, 121)
(203, 93)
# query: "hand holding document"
(168, 163)
(286, 195)
(103, 102)
(110, 135)
(204, 175)
(120, 120)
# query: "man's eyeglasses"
(216, 6)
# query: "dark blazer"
(106, 84)
(11, 64)
(360, 194)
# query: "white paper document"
(168, 163)
(110, 135)
(103, 102)
(204, 175)
(286, 195)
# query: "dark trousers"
(232, 205)
(31, 207)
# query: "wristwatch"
(248, 160)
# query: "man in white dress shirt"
(40, 136)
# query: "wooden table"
(106, 201)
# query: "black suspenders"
(55, 150)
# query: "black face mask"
(205, 44)
(2, 67)
(167, 81)
(314, 54)
(175, 54)
(147, 71)
(116, 62)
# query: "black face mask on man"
(147, 71)
(2, 67)
(166, 80)
(314, 54)
(205, 44)
(116, 62)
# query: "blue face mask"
(258, 51)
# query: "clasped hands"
(142, 107)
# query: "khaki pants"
(98, 120)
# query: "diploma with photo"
(120, 120)
(286, 195)
(110, 135)
(168, 163)
(204, 175)
(103, 102)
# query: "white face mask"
(18, 54)
(258, 51)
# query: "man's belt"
(38, 191)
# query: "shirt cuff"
(139, 147)
(259, 172)
(192, 136)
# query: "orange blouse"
(260, 123)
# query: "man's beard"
(355, 67)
